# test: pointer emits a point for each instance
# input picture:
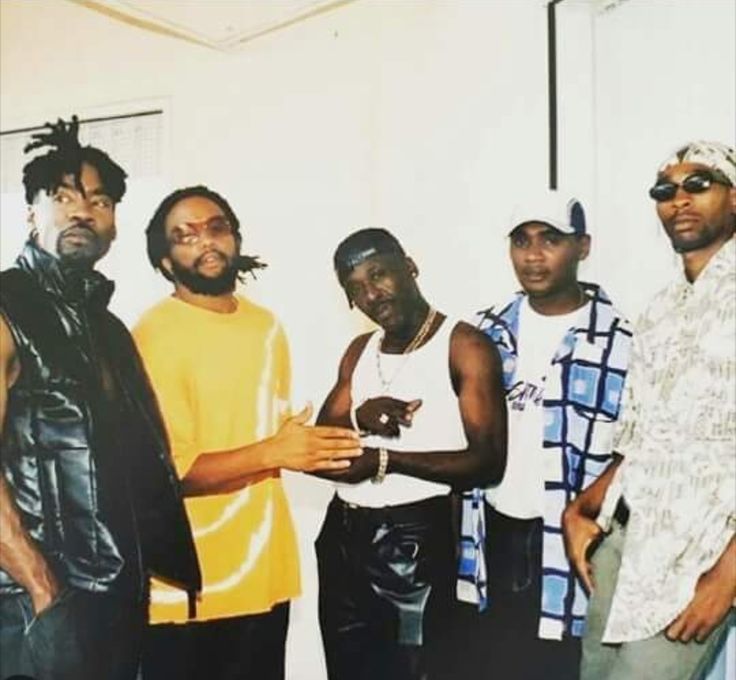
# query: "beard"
(223, 283)
(710, 232)
(79, 247)
(689, 243)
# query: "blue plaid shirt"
(581, 404)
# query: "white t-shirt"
(521, 491)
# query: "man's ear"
(412, 267)
(584, 246)
(732, 199)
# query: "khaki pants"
(655, 658)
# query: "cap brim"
(565, 229)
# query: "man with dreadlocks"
(89, 502)
(220, 366)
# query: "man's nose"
(206, 239)
(533, 252)
(371, 292)
(682, 197)
(81, 209)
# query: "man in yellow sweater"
(220, 367)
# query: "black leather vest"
(53, 442)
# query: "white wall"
(426, 117)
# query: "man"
(88, 498)
(564, 349)
(671, 584)
(426, 391)
(220, 367)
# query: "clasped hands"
(381, 416)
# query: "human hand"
(305, 448)
(383, 416)
(581, 533)
(44, 591)
(713, 598)
(365, 467)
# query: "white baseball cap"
(559, 211)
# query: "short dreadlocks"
(46, 172)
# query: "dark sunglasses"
(696, 183)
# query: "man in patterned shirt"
(673, 581)
(564, 348)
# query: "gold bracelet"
(382, 466)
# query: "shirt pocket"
(593, 389)
(60, 422)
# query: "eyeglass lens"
(693, 184)
(191, 232)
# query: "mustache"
(243, 264)
(80, 226)
(212, 251)
(373, 309)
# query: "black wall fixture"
(552, 89)
(124, 116)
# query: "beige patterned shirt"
(677, 433)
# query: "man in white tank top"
(426, 394)
(565, 351)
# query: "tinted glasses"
(189, 233)
(695, 183)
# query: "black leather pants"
(386, 580)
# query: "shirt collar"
(722, 263)
(87, 287)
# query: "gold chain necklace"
(415, 342)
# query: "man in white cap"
(565, 351)
(673, 581)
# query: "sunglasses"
(190, 233)
(696, 183)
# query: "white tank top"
(437, 426)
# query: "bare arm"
(336, 408)
(714, 596)
(296, 446)
(475, 369)
(579, 525)
(19, 554)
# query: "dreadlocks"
(158, 245)
(46, 172)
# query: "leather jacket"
(54, 440)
